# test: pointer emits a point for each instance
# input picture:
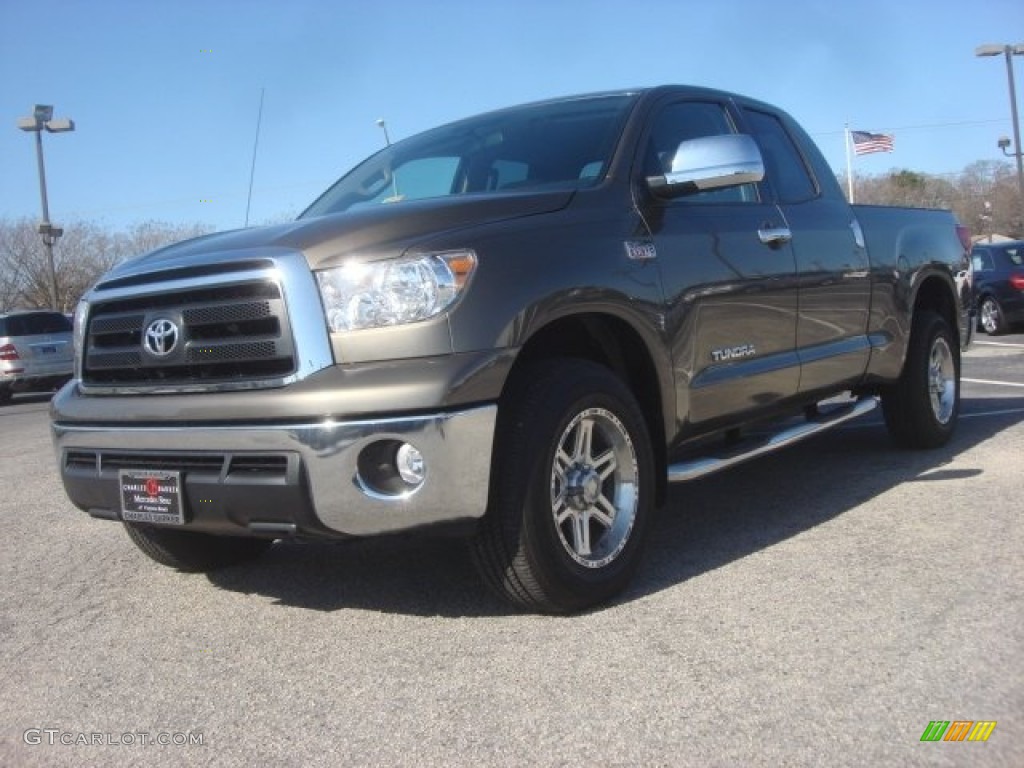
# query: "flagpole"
(849, 164)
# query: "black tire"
(545, 466)
(193, 552)
(991, 317)
(921, 409)
(5, 395)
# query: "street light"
(42, 118)
(1010, 51)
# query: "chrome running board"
(706, 465)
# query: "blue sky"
(165, 94)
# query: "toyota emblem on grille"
(161, 337)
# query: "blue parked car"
(999, 284)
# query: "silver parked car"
(36, 352)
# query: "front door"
(730, 282)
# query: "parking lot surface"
(818, 607)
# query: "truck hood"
(377, 232)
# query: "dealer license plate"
(151, 496)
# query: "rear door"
(983, 265)
(730, 288)
(831, 261)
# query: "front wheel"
(922, 407)
(571, 489)
(194, 552)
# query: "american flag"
(865, 143)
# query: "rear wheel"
(194, 552)
(921, 409)
(991, 316)
(571, 489)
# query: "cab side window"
(982, 261)
(681, 122)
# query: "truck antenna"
(252, 169)
(382, 124)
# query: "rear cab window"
(784, 166)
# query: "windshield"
(565, 144)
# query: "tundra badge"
(731, 353)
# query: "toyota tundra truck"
(521, 328)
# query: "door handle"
(774, 236)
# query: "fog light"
(409, 462)
(390, 469)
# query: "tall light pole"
(1010, 51)
(42, 118)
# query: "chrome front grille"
(229, 333)
(219, 322)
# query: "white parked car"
(36, 352)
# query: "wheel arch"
(612, 342)
(936, 294)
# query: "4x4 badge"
(639, 250)
(161, 337)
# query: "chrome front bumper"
(315, 483)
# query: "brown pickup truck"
(520, 327)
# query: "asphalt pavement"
(818, 607)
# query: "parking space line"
(876, 423)
(998, 344)
(1002, 412)
(993, 383)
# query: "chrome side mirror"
(711, 162)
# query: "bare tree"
(983, 195)
(82, 256)
(988, 202)
(21, 259)
(147, 236)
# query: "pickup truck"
(520, 327)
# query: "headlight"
(395, 291)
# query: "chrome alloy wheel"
(594, 487)
(990, 316)
(942, 380)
